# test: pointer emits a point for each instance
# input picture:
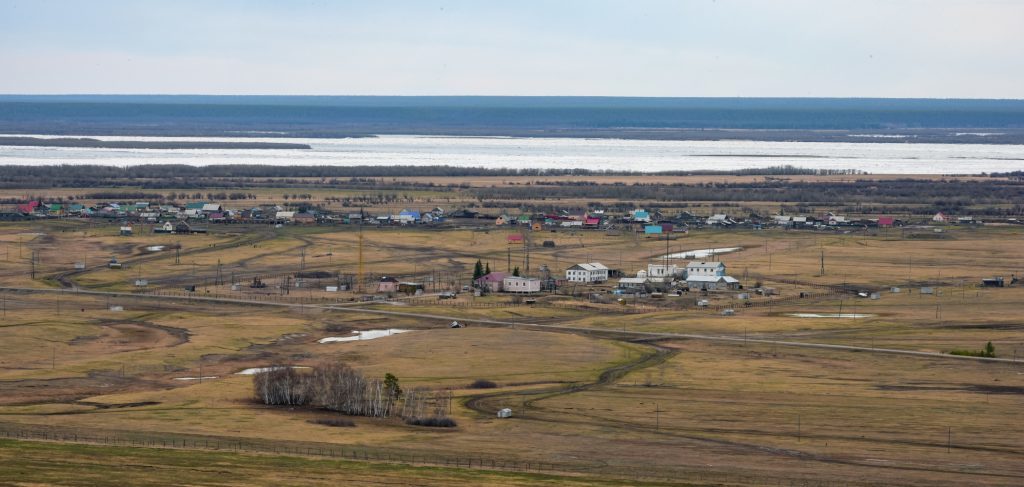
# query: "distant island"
(142, 144)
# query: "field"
(98, 371)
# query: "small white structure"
(505, 413)
(927, 290)
(331, 289)
(514, 284)
(590, 272)
(728, 312)
(117, 308)
(894, 290)
(662, 271)
(79, 266)
(703, 303)
(141, 283)
(285, 216)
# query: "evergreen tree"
(487, 269)
(478, 270)
(515, 272)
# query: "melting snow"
(364, 335)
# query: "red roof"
(515, 237)
(885, 221)
(592, 221)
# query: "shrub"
(334, 422)
(433, 422)
(482, 384)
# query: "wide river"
(555, 153)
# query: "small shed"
(927, 290)
(505, 413)
(126, 230)
(549, 243)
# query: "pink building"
(492, 282)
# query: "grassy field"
(618, 407)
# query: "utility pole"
(657, 417)
(823, 262)
(359, 273)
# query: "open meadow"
(633, 390)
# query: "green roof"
(194, 206)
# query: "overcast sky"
(862, 48)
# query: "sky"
(720, 48)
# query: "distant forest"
(185, 176)
(861, 193)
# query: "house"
(492, 282)
(501, 220)
(285, 216)
(940, 217)
(387, 285)
(652, 230)
(591, 222)
(633, 284)
(641, 216)
(517, 284)
(211, 207)
(167, 227)
(406, 217)
(180, 228)
(590, 272)
(126, 230)
(304, 218)
(720, 220)
(885, 221)
(515, 238)
(523, 220)
(711, 283)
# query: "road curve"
(622, 334)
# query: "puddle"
(205, 377)
(256, 370)
(364, 335)
(830, 315)
(702, 253)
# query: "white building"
(697, 268)
(709, 276)
(662, 271)
(513, 284)
(591, 272)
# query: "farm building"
(591, 272)
(387, 285)
(491, 282)
(711, 283)
(515, 238)
(516, 284)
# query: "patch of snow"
(364, 335)
(205, 377)
(155, 248)
(702, 253)
(830, 315)
(256, 370)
